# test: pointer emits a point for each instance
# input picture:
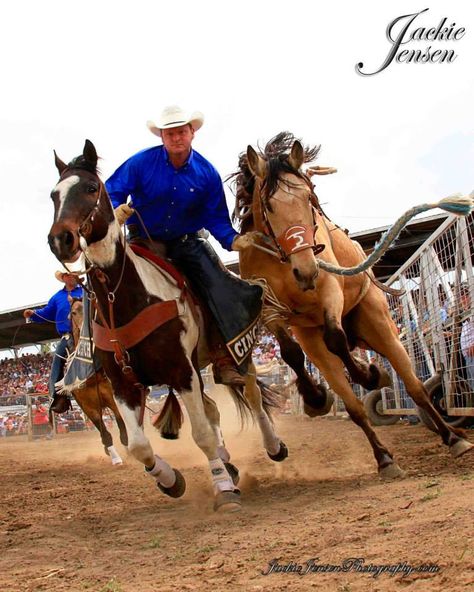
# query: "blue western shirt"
(173, 202)
(57, 310)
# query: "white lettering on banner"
(84, 349)
(245, 343)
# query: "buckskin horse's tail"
(170, 418)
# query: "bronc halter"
(297, 237)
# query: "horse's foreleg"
(332, 369)
(275, 447)
(168, 479)
(88, 400)
(107, 400)
(227, 496)
(214, 417)
(367, 375)
(315, 396)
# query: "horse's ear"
(60, 165)
(296, 158)
(90, 153)
(256, 163)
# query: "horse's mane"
(276, 153)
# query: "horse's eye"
(91, 188)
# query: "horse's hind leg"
(214, 418)
(315, 396)
(227, 496)
(374, 325)
(332, 368)
(275, 447)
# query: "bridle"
(85, 228)
(297, 237)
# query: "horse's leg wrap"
(221, 480)
(114, 456)
(162, 472)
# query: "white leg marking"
(114, 456)
(138, 444)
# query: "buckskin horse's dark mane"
(276, 153)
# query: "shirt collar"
(188, 161)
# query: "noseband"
(297, 237)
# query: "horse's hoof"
(324, 409)
(233, 472)
(392, 471)
(460, 448)
(228, 501)
(176, 490)
(281, 454)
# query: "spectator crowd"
(28, 373)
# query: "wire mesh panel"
(435, 318)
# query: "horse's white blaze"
(103, 253)
(63, 188)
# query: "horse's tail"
(271, 399)
(170, 419)
(242, 405)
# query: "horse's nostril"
(68, 239)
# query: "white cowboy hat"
(59, 275)
(174, 116)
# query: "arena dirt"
(70, 521)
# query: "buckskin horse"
(146, 331)
(300, 252)
(94, 395)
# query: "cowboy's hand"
(28, 313)
(123, 213)
(244, 241)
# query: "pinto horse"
(146, 331)
(328, 314)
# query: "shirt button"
(166, 230)
(169, 217)
(172, 203)
(174, 188)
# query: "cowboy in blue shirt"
(57, 311)
(177, 193)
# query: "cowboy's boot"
(60, 403)
(223, 366)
